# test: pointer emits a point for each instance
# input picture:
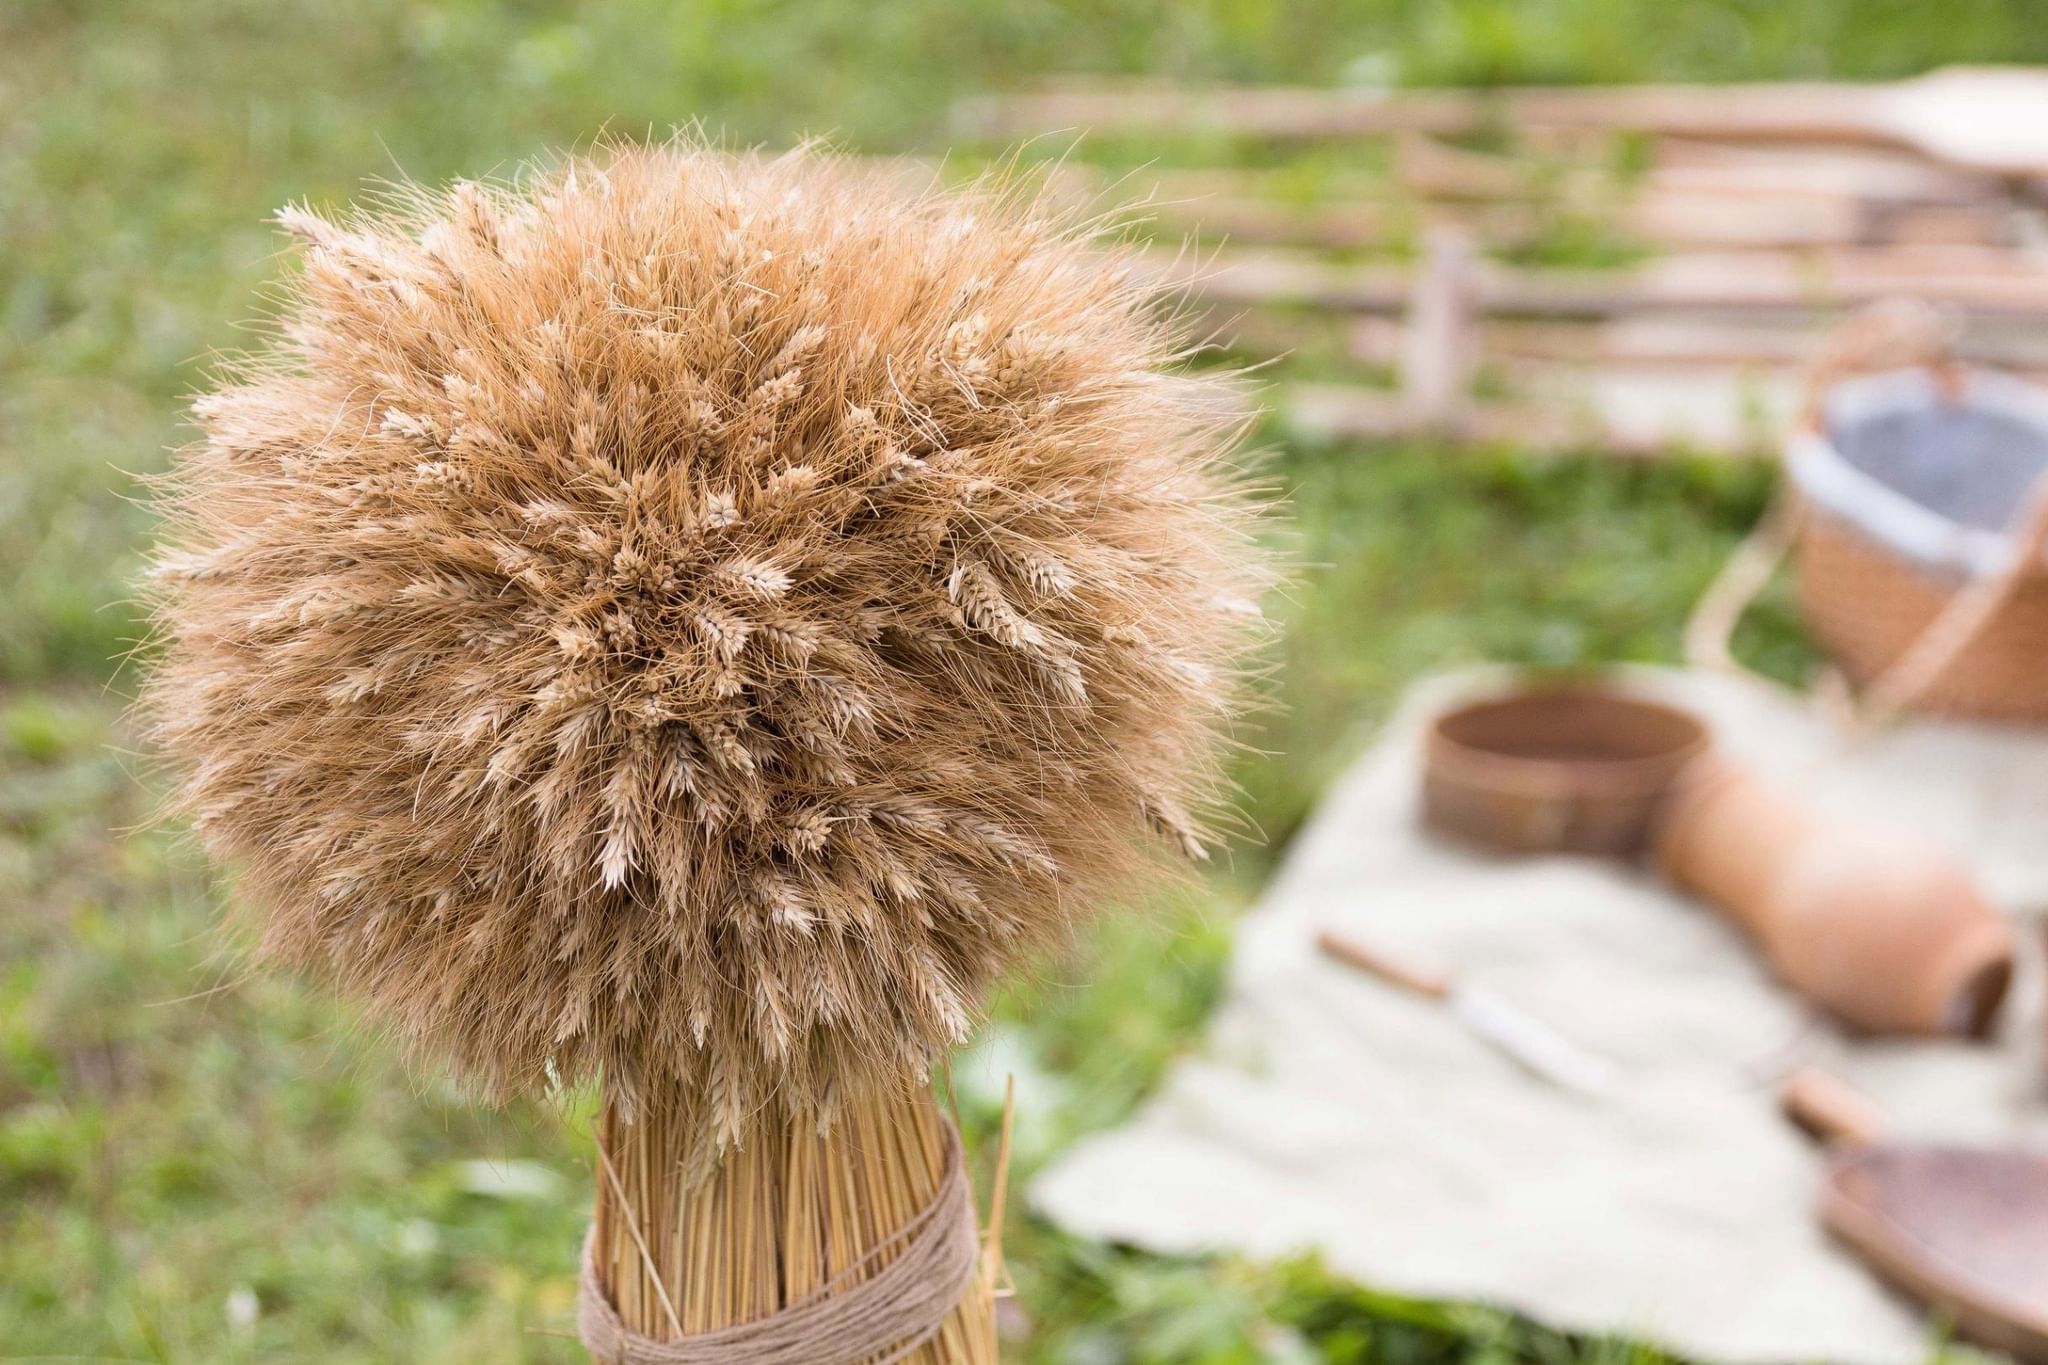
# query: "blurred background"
(202, 1164)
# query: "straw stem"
(777, 1219)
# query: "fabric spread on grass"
(1333, 1112)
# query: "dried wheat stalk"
(778, 1221)
(695, 620)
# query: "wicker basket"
(1867, 606)
(1917, 508)
(1883, 574)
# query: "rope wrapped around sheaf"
(879, 1319)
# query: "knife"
(1525, 1039)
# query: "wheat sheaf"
(698, 618)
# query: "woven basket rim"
(1830, 483)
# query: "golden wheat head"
(697, 618)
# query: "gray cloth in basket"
(1971, 465)
(1941, 479)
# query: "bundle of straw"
(693, 621)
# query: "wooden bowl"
(1571, 768)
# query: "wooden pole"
(1439, 352)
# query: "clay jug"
(1877, 926)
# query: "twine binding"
(879, 1320)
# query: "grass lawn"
(202, 1164)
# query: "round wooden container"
(1573, 768)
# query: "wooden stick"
(1366, 958)
(1670, 342)
(1811, 112)
(1795, 202)
(1983, 119)
(1883, 176)
(999, 1192)
(621, 1214)
(1439, 352)
(1974, 283)
(1664, 219)
(1825, 1106)
(1337, 411)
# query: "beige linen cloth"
(1330, 1111)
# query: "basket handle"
(1923, 664)
(1888, 334)
(1711, 628)
(1958, 624)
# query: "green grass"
(176, 1131)
(201, 1164)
